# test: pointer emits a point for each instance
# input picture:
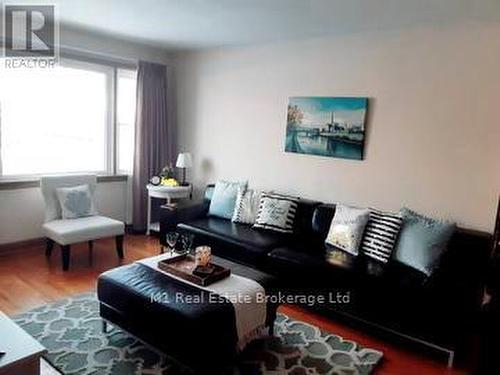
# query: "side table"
(168, 193)
(22, 352)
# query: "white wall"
(21, 210)
(433, 133)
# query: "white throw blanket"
(246, 296)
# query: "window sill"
(25, 183)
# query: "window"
(60, 120)
(125, 113)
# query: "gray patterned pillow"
(76, 201)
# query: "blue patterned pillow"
(224, 198)
(422, 241)
(76, 201)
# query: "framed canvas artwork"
(327, 126)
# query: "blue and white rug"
(70, 329)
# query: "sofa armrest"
(173, 215)
(463, 270)
(493, 281)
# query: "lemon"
(169, 182)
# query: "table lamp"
(184, 161)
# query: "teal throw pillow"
(224, 198)
(422, 241)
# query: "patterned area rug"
(70, 329)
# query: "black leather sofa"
(439, 310)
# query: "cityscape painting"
(326, 126)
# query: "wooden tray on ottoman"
(183, 266)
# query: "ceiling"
(192, 24)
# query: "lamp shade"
(184, 160)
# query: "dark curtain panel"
(154, 134)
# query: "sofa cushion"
(329, 259)
(308, 266)
(297, 258)
(305, 270)
(303, 218)
(233, 241)
(321, 220)
(66, 232)
(374, 288)
(232, 231)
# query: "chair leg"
(65, 249)
(49, 245)
(119, 246)
(91, 252)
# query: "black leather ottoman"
(151, 306)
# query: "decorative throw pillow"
(381, 234)
(246, 207)
(422, 241)
(76, 201)
(276, 212)
(347, 227)
(224, 198)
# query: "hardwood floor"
(28, 279)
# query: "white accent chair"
(70, 231)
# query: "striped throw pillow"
(276, 212)
(381, 234)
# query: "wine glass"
(172, 238)
(187, 242)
